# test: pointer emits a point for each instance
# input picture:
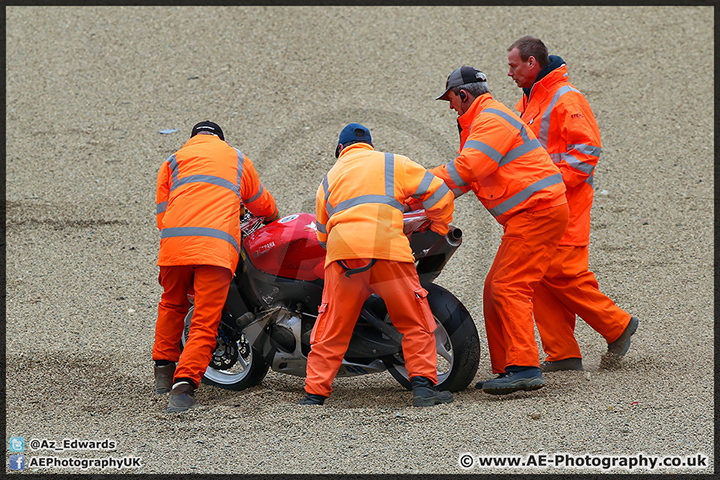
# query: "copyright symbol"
(34, 444)
(466, 460)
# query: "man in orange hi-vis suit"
(561, 118)
(201, 189)
(503, 163)
(359, 209)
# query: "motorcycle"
(273, 303)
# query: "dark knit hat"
(208, 126)
(461, 76)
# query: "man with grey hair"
(563, 122)
(503, 163)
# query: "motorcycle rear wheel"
(246, 372)
(456, 339)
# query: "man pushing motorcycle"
(359, 209)
(201, 190)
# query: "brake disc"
(225, 354)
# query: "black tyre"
(241, 365)
(456, 339)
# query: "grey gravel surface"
(90, 88)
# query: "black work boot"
(182, 397)
(426, 395)
(515, 378)
(620, 346)
(617, 349)
(311, 399)
(479, 385)
(572, 363)
(164, 377)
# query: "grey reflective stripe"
(454, 175)
(578, 164)
(430, 202)
(172, 162)
(424, 185)
(199, 232)
(387, 199)
(544, 131)
(390, 175)
(589, 180)
(591, 150)
(326, 188)
(322, 228)
(573, 162)
(257, 195)
(484, 148)
(524, 194)
(510, 119)
(518, 152)
(221, 182)
(524, 135)
(161, 207)
(457, 192)
(241, 164)
(527, 146)
(323, 245)
(362, 199)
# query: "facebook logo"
(17, 444)
(17, 462)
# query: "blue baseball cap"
(354, 132)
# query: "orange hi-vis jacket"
(561, 118)
(501, 162)
(200, 190)
(360, 202)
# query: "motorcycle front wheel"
(239, 365)
(456, 340)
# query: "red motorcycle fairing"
(288, 248)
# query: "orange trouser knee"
(211, 284)
(524, 255)
(397, 283)
(569, 288)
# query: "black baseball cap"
(461, 76)
(208, 126)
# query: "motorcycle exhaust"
(432, 252)
(454, 237)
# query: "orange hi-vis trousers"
(395, 282)
(569, 288)
(211, 284)
(526, 250)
